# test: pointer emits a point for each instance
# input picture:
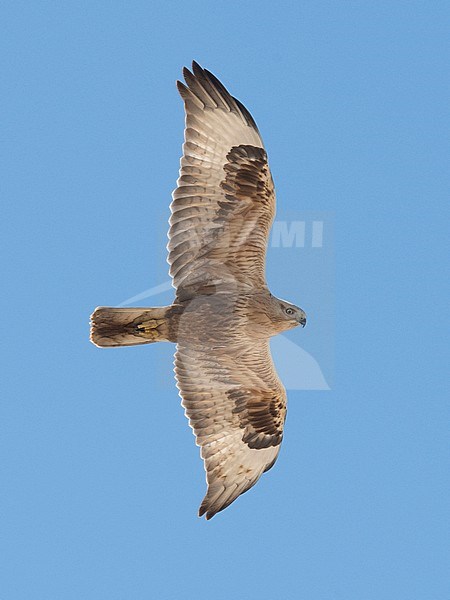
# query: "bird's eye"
(289, 311)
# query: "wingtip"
(183, 90)
(196, 68)
(186, 73)
(180, 85)
(204, 511)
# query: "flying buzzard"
(223, 313)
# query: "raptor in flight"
(223, 313)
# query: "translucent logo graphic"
(300, 268)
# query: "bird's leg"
(149, 329)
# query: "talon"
(149, 327)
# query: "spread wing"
(236, 406)
(224, 205)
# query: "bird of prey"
(223, 314)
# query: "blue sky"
(101, 476)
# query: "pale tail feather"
(128, 326)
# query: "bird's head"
(289, 313)
(285, 315)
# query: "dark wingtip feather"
(186, 73)
(200, 76)
(216, 81)
(196, 68)
(204, 510)
(183, 90)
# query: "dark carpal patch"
(261, 415)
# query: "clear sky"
(101, 479)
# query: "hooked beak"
(301, 318)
